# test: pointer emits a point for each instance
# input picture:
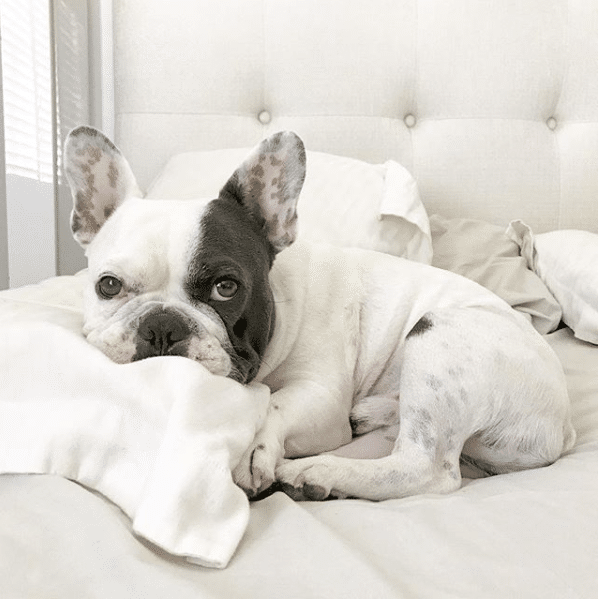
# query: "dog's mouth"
(166, 330)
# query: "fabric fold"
(158, 437)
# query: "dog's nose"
(162, 332)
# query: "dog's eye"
(223, 290)
(108, 287)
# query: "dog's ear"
(100, 179)
(268, 184)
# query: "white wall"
(3, 232)
(31, 230)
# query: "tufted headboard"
(491, 104)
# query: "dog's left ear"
(268, 184)
(100, 179)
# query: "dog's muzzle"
(162, 332)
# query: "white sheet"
(158, 437)
(527, 534)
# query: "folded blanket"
(157, 437)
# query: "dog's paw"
(307, 479)
(255, 472)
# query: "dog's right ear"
(100, 179)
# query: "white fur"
(341, 340)
(473, 376)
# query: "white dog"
(347, 340)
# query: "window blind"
(48, 68)
(27, 88)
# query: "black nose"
(162, 332)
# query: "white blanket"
(525, 534)
(158, 437)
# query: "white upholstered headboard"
(492, 104)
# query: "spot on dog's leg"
(424, 324)
(421, 430)
(433, 382)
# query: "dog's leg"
(425, 459)
(303, 418)
(504, 391)
(433, 427)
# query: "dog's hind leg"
(479, 376)
(435, 415)
(411, 469)
(425, 458)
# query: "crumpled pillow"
(344, 201)
(484, 253)
(567, 261)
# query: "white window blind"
(27, 88)
(27, 92)
(50, 82)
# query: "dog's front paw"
(255, 472)
(307, 479)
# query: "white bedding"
(492, 108)
(157, 437)
(529, 534)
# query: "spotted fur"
(100, 180)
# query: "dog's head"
(186, 278)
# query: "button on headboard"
(492, 105)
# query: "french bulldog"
(347, 340)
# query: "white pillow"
(344, 201)
(567, 262)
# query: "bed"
(464, 134)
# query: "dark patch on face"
(232, 246)
(421, 326)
